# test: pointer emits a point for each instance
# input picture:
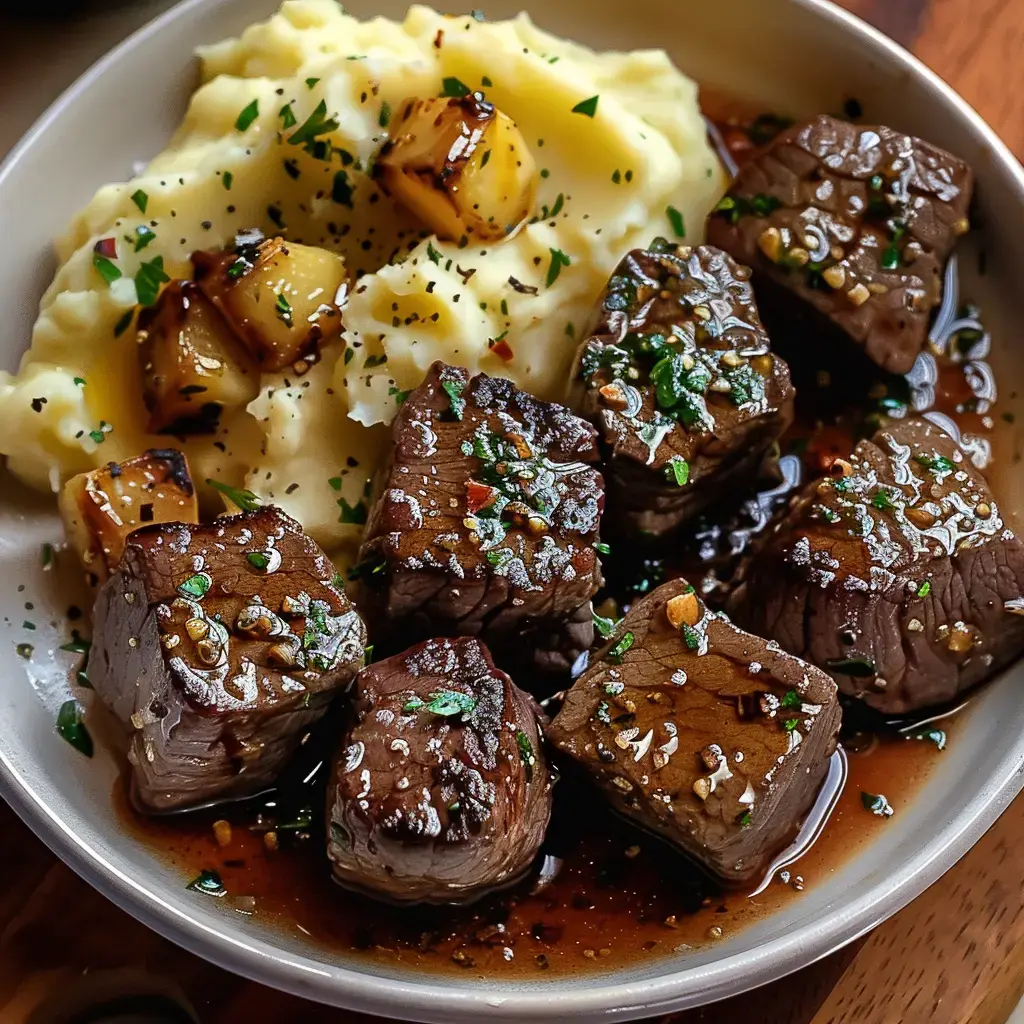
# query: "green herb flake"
(677, 471)
(385, 114)
(399, 395)
(80, 381)
(882, 501)
(148, 279)
(71, 727)
(790, 724)
(283, 309)
(107, 269)
(925, 589)
(355, 514)
(99, 435)
(196, 586)
(448, 703)
(310, 82)
(558, 260)
(248, 115)
(791, 699)
(241, 498)
(143, 236)
(371, 361)
(258, 560)
(931, 735)
(140, 199)
(526, 754)
(617, 651)
(287, 115)
(691, 636)
(605, 627)
(432, 254)
(318, 123)
(856, 667)
(77, 645)
(208, 883)
(877, 804)
(587, 107)
(486, 82)
(226, 179)
(82, 679)
(745, 819)
(937, 464)
(601, 548)
(46, 556)
(675, 218)
(24, 651)
(454, 391)
(454, 87)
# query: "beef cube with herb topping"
(897, 573)
(681, 382)
(218, 646)
(850, 225)
(713, 738)
(440, 791)
(486, 517)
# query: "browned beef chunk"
(440, 790)
(898, 575)
(486, 518)
(218, 645)
(713, 738)
(857, 222)
(681, 384)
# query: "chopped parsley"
(317, 124)
(140, 199)
(257, 559)
(226, 179)
(601, 548)
(400, 396)
(248, 115)
(744, 819)
(935, 464)
(675, 218)
(759, 205)
(77, 645)
(446, 703)
(691, 636)
(882, 501)
(454, 87)
(283, 309)
(587, 107)
(385, 114)
(605, 627)
(618, 649)
(791, 699)
(107, 270)
(352, 513)
(925, 589)
(432, 254)
(208, 883)
(71, 727)
(287, 115)
(120, 327)
(558, 260)
(371, 361)
(855, 666)
(47, 555)
(454, 389)
(310, 82)
(677, 471)
(238, 496)
(876, 804)
(99, 435)
(143, 236)
(372, 565)
(197, 586)
(790, 724)
(526, 754)
(746, 385)
(148, 279)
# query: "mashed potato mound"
(629, 163)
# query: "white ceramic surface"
(798, 56)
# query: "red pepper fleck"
(478, 496)
(106, 247)
(503, 350)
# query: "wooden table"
(954, 956)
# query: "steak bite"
(681, 383)
(218, 645)
(714, 739)
(485, 517)
(857, 221)
(440, 790)
(897, 574)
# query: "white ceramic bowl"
(798, 56)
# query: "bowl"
(797, 56)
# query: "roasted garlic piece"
(100, 508)
(192, 364)
(282, 299)
(461, 166)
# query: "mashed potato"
(631, 161)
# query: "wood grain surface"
(954, 956)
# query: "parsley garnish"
(936, 464)
(558, 260)
(746, 385)
(143, 236)
(882, 501)
(241, 498)
(876, 804)
(47, 555)
(71, 727)
(691, 637)
(454, 390)
(454, 87)
(99, 435)
(925, 589)
(148, 279)
(257, 559)
(226, 179)
(341, 189)
(526, 754)
(791, 699)
(857, 667)
(675, 218)
(445, 703)
(385, 114)
(248, 115)
(119, 328)
(372, 361)
(108, 271)
(140, 199)
(400, 396)
(283, 308)
(287, 115)
(352, 513)
(619, 649)
(432, 254)
(80, 381)
(744, 819)
(208, 883)
(196, 586)
(601, 548)
(790, 724)
(587, 107)
(318, 123)
(604, 627)
(677, 471)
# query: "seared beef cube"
(714, 739)
(102, 507)
(487, 517)
(855, 220)
(219, 645)
(897, 574)
(440, 791)
(681, 384)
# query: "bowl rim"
(261, 961)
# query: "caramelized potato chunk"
(282, 299)
(101, 508)
(191, 366)
(461, 166)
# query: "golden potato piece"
(192, 366)
(102, 507)
(461, 166)
(282, 299)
